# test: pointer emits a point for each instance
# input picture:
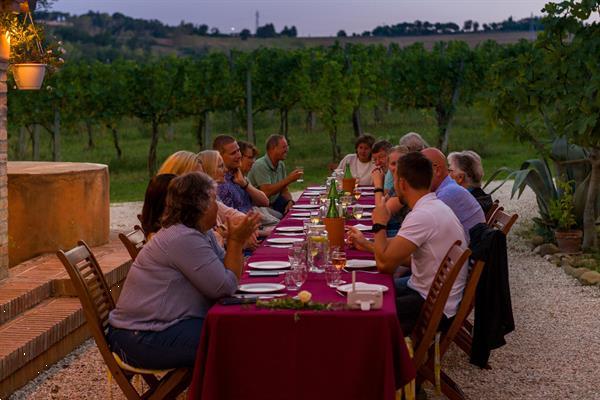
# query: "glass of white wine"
(357, 211)
(315, 217)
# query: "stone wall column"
(3, 172)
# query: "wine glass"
(357, 211)
(301, 179)
(315, 217)
(356, 194)
(338, 259)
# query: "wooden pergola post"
(3, 174)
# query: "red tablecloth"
(250, 353)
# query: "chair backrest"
(431, 312)
(502, 221)
(134, 241)
(465, 307)
(492, 210)
(97, 302)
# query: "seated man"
(466, 208)
(426, 234)
(361, 164)
(269, 175)
(235, 191)
(467, 171)
(379, 155)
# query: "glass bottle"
(332, 211)
(347, 172)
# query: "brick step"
(38, 279)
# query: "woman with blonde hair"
(180, 162)
(213, 166)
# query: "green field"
(128, 176)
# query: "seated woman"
(360, 162)
(176, 278)
(213, 165)
(466, 169)
(154, 203)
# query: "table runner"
(250, 353)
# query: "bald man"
(465, 206)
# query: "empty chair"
(134, 241)
(97, 302)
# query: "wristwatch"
(378, 190)
(377, 227)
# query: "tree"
(245, 34)
(155, 89)
(341, 33)
(266, 31)
(468, 25)
(553, 90)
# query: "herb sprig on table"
(289, 303)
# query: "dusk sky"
(311, 17)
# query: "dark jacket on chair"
(493, 308)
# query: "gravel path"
(553, 353)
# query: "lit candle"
(5, 46)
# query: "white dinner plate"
(356, 264)
(367, 214)
(300, 214)
(269, 264)
(260, 287)
(311, 193)
(367, 206)
(284, 240)
(296, 234)
(316, 188)
(362, 286)
(363, 228)
(290, 229)
(367, 193)
(305, 206)
(366, 188)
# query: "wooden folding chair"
(427, 371)
(429, 319)
(463, 337)
(134, 241)
(502, 221)
(97, 302)
(490, 212)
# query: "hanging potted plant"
(562, 213)
(29, 60)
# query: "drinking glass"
(290, 280)
(357, 211)
(332, 276)
(338, 259)
(323, 198)
(300, 273)
(301, 179)
(356, 194)
(314, 200)
(315, 217)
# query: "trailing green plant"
(562, 209)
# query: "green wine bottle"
(333, 193)
(347, 172)
(332, 211)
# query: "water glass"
(289, 280)
(356, 194)
(314, 200)
(300, 273)
(301, 179)
(333, 276)
(315, 217)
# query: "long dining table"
(247, 352)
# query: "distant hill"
(107, 37)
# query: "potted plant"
(562, 213)
(29, 60)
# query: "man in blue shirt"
(236, 191)
(465, 207)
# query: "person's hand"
(378, 177)
(381, 214)
(238, 178)
(288, 206)
(222, 231)
(252, 243)
(295, 175)
(357, 240)
(240, 230)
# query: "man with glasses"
(236, 191)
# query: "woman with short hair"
(176, 278)
(360, 161)
(466, 169)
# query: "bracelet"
(246, 185)
(378, 190)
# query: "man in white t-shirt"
(426, 234)
(360, 162)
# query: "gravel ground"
(552, 354)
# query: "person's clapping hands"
(381, 214)
(242, 229)
(378, 177)
(356, 239)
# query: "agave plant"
(570, 165)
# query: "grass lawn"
(129, 177)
